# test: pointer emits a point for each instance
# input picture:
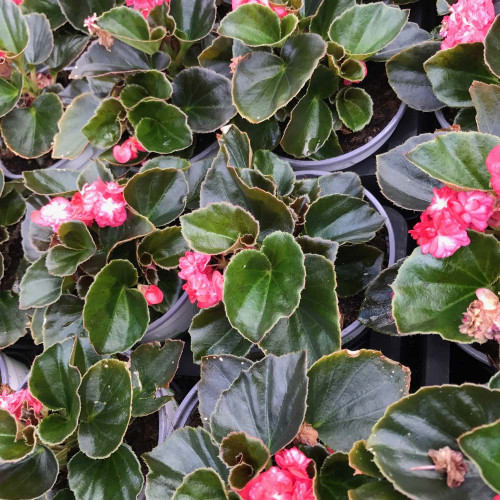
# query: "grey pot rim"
(443, 122)
(477, 355)
(335, 163)
(171, 312)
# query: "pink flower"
(144, 6)
(128, 150)
(210, 293)
(474, 208)
(442, 199)
(18, 2)
(279, 9)
(441, 234)
(110, 213)
(152, 294)
(468, 22)
(495, 219)
(192, 263)
(348, 82)
(91, 24)
(493, 166)
(294, 461)
(303, 490)
(273, 483)
(13, 402)
(53, 214)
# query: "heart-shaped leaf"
(434, 417)
(12, 319)
(327, 12)
(275, 418)
(77, 12)
(342, 406)
(160, 127)
(219, 228)
(314, 325)
(106, 394)
(31, 476)
(491, 47)
(482, 446)
(453, 71)
(106, 126)
(355, 107)
(37, 122)
(457, 159)
(193, 20)
(212, 334)
(14, 33)
(121, 58)
(68, 45)
(261, 287)
(50, 8)
(115, 315)
(257, 25)
(62, 319)
(217, 56)
(11, 448)
(263, 83)
(486, 101)
(201, 484)
(129, 26)
(407, 76)
(431, 295)
(152, 367)
(41, 41)
(342, 218)
(205, 97)
(77, 247)
(54, 382)
(38, 287)
(10, 90)
(183, 452)
(165, 246)
(69, 142)
(148, 84)
(53, 181)
(160, 195)
(12, 208)
(117, 476)
(282, 173)
(363, 30)
(403, 183)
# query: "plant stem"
(176, 64)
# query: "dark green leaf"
(355, 107)
(53, 181)
(10, 90)
(68, 45)
(165, 162)
(486, 101)
(378, 490)
(327, 12)
(11, 448)
(194, 20)
(166, 247)
(361, 460)
(83, 355)
(12, 319)
(106, 126)
(148, 84)
(237, 145)
(217, 56)
(318, 246)
(491, 46)
(495, 381)
(264, 135)
(50, 8)
(41, 41)
(201, 484)
(94, 171)
(12, 208)
(63, 319)
(77, 12)
(341, 183)
(14, 34)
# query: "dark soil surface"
(194, 419)
(18, 165)
(142, 436)
(12, 252)
(450, 114)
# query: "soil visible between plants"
(17, 165)
(142, 436)
(12, 252)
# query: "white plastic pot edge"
(354, 157)
(12, 372)
(441, 119)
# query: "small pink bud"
(152, 294)
(122, 154)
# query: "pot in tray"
(352, 158)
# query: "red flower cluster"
(204, 284)
(288, 481)
(128, 150)
(144, 6)
(468, 22)
(13, 402)
(100, 202)
(279, 9)
(442, 229)
(152, 294)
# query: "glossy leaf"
(363, 30)
(50, 8)
(457, 159)
(257, 25)
(486, 101)
(37, 122)
(193, 20)
(263, 405)
(264, 135)
(217, 56)
(264, 82)
(69, 142)
(401, 181)
(10, 90)
(434, 417)
(158, 194)
(106, 126)
(92, 172)
(148, 84)
(68, 45)
(106, 394)
(491, 47)
(282, 173)
(355, 107)
(165, 246)
(452, 72)
(318, 246)
(63, 319)
(12, 208)
(378, 490)
(261, 287)
(53, 181)
(494, 382)
(237, 145)
(406, 74)
(341, 183)
(342, 406)
(84, 355)
(116, 477)
(13, 29)
(183, 452)
(41, 41)
(12, 319)
(326, 13)
(160, 127)
(54, 382)
(115, 315)
(219, 228)
(431, 295)
(201, 484)
(314, 325)
(38, 287)
(361, 460)
(77, 12)
(11, 448)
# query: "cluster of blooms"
(128, 150)
(482, 318)
(13, 402)
(468, 22)
(152, 294)
(442, 229)
(288, 481)
(100, 202)
(279, 9)
(144, 6)
(204, 284)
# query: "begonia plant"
(271, 253)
